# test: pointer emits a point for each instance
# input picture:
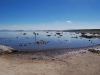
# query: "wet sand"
(51, 62)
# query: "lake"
(27, 40)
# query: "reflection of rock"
(58, 33)
(37, 33)
(29, 43)
(41, 42)
(24, 44)
(48, 35)
(6, 49)
(83, 33)
(74, 37)
(90, 36)
(85, 36)
(34, 33)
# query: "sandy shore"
(71, 63)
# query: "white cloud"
(68, 21)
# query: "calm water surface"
(17, 40)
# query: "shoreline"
(52, 54)
(78, 62)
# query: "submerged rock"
(58, 33)
(48, 35)
(6, 49)
(24, 33)
(41, 42)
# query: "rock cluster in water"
(41, 42)
(6, 49)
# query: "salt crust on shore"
(78, 62)
(6, 49)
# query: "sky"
(49, 14)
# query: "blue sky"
(49, 14)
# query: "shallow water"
(17, 40)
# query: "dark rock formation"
(41, 42)
(24, 33)
(48, 35)
(94, 51)
(58, 33)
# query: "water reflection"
(29, 40)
